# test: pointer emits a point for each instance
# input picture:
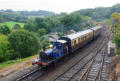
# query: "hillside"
(99, 13)
(22, 16)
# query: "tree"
(44, 41)
(23, 42)
(5, 51)
(4, 30)
(72, 21)
(117, 39)
(30, 25)
(16, 26)
(41, 32)
(115, 26)
(40, 23)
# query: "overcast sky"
(57, 6)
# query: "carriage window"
(83, 38)
(72, 43)
(75, 42)
(79, 39)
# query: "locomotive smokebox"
(43, 56)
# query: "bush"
(24, 43)
(41, 32)
(117, 39)
(44, 40)
(16, 26)
(5, 51)
(4, 30)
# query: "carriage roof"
(78, 34)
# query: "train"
(65, 46)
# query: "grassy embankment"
(11, 62)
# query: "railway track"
(70, 74)
(84, 62)
(93, 72)
(27, 75)
(87, 56)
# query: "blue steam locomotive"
(65, 46)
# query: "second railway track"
(77, 70)
(85, 62)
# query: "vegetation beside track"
(114, 69)
(115, 27)
(12, 62)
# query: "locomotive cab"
(57, 49)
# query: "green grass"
(11, 62)
(12, 23)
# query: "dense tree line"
(19, 43)
(9, 15)
(73, 21)
(100, 13)
(97, 14)
(21, 16)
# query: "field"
(12, 23)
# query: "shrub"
(4, 30)
(16, 26)
(5, 51)
(41, 32)
(24, 43)
(44, 41)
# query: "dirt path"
(12, 69)
(114, 70)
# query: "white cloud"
(55, 5)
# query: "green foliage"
(9, 15)
(117, 40)
(60, 34)
(24, 43)
(5, 51)
(4, 30)
(70, 20)
(53, 24)
(44, 41)
(16, 26)
(41, 32)
(30, 25)
(100, 13)
(115, 26)
(115, 18)
(59, 24)
(21, 16)
(76, 22)
(15, 61)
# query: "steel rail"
(75, 64)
